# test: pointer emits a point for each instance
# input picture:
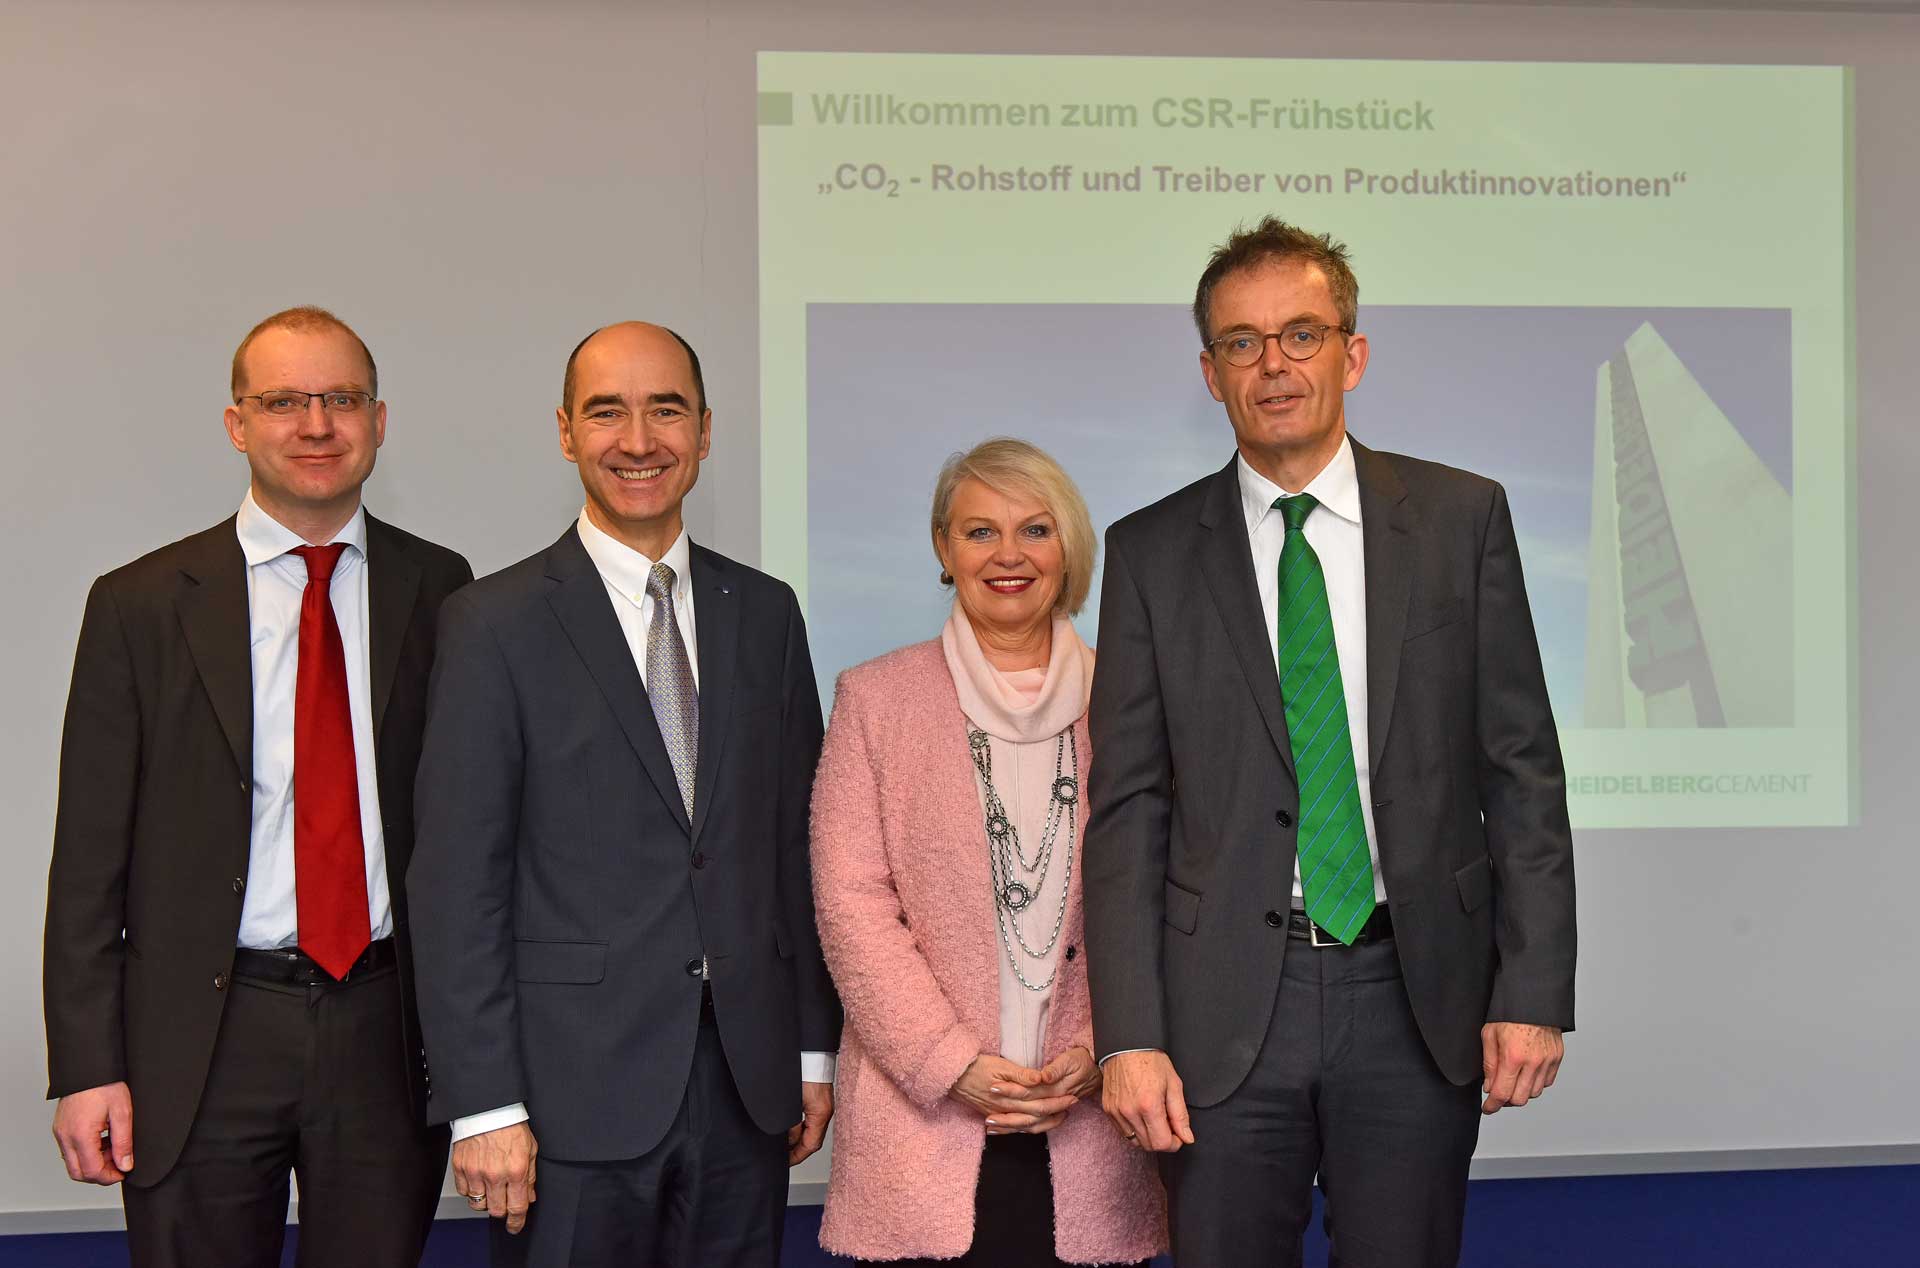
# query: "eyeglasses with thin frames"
(288, 403)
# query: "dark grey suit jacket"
(150, 844)
(559, 891)
(1192, 833)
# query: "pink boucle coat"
(901, 884)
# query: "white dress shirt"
(625, 571)
(1333, 530)
(276, 584)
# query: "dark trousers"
(1343, 1088)
(711, 1194)
(1012, 1210)
(309, 1080)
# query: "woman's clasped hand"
(1013, 1098)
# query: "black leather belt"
(1379, 928)
(290, 966)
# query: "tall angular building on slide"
(1690, 560)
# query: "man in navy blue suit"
(620, 972)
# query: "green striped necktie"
(1336, 876)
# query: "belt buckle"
(1313, 935)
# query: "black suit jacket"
(1194, 801)
(150, 845)
(559, 890)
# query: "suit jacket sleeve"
(92, 844)
(1523, 795)
(460, 883)
(1131, 788)
(819, 1006)
(904, 1020)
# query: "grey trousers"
(1343, 1088)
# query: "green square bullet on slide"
(776, 110)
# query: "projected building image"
(1690, 572)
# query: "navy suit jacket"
(560, 893)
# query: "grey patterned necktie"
(676, 702)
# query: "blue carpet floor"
(1829, 1218)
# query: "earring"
(946, 578)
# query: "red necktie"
(329, 859)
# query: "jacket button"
(1276, 920)
(1282, 818)
(1071, 951)
(219, 981)
(693, 967)
(239, 886)
(699, 860)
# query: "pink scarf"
(1006, 705)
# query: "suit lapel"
(716, 619)
(580, 601)
(1227, 560)
(213, 614)
(393, 581)
(1385, 544)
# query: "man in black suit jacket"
(178, 997)
(1252, 1043)
(618, 961)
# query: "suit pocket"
(1435, 616)
(582, 963)
(1183, 907)
(1476, 884)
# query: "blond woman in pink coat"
(947, 823)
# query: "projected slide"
(1623, 291)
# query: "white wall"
(480, 184)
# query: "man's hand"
(83, 1120)
(805, 1137)
(1146, 1100)
(1519, 1062)
(1010, 1096)
(494, 1171)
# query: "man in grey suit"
(619, 970)
(1329, 874)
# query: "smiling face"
(637, 432)
(307, 466)
(1004, 554)
(1288, 417)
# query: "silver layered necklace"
(1017, 879)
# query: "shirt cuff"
(490, 1120)
(818, 1067)
(1110, 1056)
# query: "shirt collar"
(625, 569)
(1337, 488)
(264, 539)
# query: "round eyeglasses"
(1297, 342)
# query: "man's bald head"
(573, 360)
